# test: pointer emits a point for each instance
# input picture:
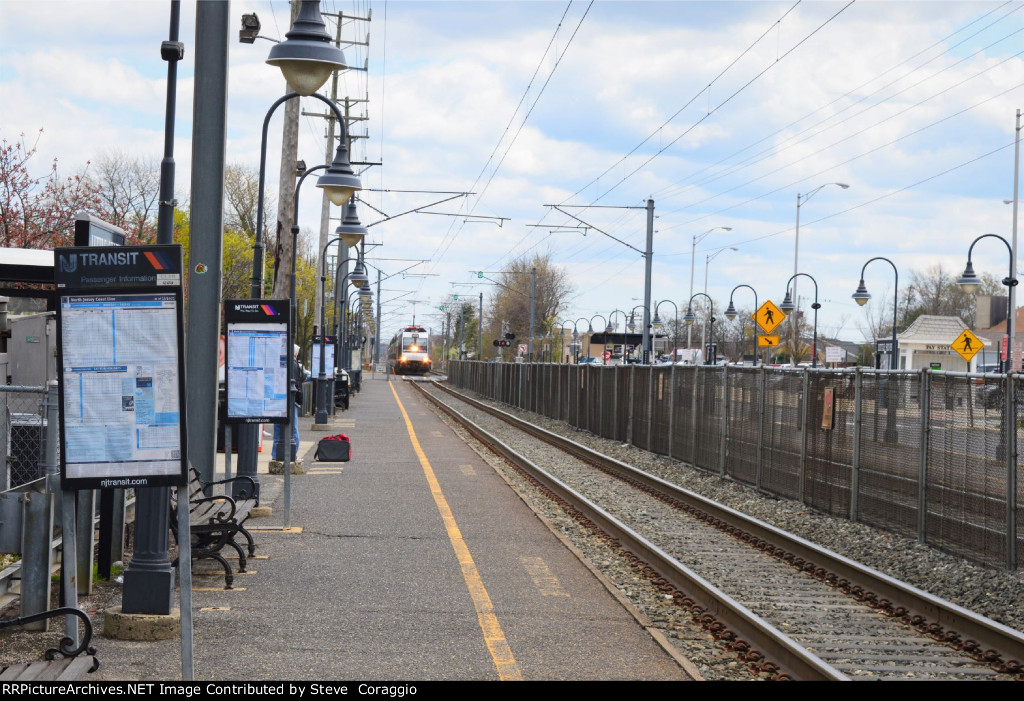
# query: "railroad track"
(786, 607)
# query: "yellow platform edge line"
(494, 636)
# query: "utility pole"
(286, 192)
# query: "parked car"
(988, 393)
(591, 360)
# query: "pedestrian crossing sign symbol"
(767, 341)
(967, 345)
(768, 317)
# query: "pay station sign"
(966, 345)
(768, 317)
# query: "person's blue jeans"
(279, 436)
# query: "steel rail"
(992, 638)
(777, 647)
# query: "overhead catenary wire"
(439, 253)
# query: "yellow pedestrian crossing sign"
(768, 317)
(967, 345)
(767, 341)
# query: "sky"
(725, 114)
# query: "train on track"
(409, 351)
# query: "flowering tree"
(38, 211)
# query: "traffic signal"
(510, 337)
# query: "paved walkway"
(413, 561)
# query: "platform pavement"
(374, 581)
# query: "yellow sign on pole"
(768, 317)
(967, 345)
(767, 341)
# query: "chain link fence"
(926, 454)
(22, 433)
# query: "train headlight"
(402, 359)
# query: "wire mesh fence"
(22, 433)
(927, 454)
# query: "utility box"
(31, 349)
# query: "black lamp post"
(970, 283)
(658, 324)
(561, 326)
(689, 318)
(358, 277)
(730, 314)
(307, 55)
(149, 578)
(788, 306)
(576, 335)
(861, 297)
(611, 328)
(590, 330)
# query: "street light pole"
(693, 258)
(970, 283)
(788, 306)
(861, 297)
(689, 318)
(358, 277)
(657, 324)
(796, 243)
(707, 264)
(730, 314)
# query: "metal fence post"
(672, 406)
(629, 414)
(858, 386)
(725, 420)
(922, 475)
(1011, 471)
(650, 406)
(804, 415)
(759, 475)
(693, 414)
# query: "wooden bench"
(70, 667)
(215, 521)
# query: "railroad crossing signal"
(967, 345)
(767, 341)
(768, 317)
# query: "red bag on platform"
(337, 448)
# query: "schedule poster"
(120, 355)
(257, 367)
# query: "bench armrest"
(65, 648)
(244, 495)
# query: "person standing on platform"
(298, 377)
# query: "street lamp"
(576, 335)
(308, 56)
(590, 330)
(970, 283)
(693, 257)
(358, 278)
(788, 306)
(707, 264)
(561, 327)
(658, 324)
(730, 314)
(861, 297)
(800, 200)
(305, 57)
(689, 318)
(611, 329)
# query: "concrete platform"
(402, 564)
